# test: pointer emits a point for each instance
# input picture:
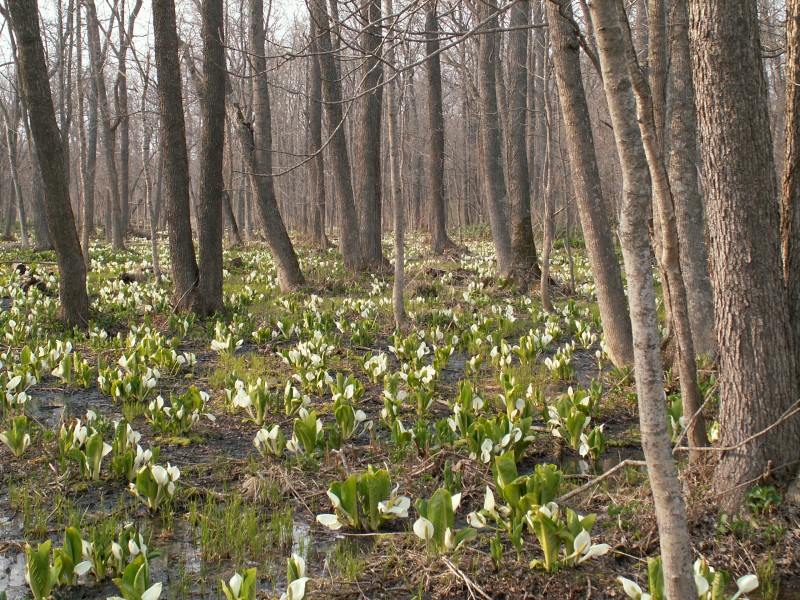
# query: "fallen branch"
(579, 490)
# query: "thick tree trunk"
(106, 129)
(440, 242)
(757, 372)
(368, 168)
(682, 164)
(49, 149)
(176, 163)
(790, 192)
(496, 195)
(588, 192)
(676, 547)
(212, 148)
(349, 242)
(40, 227)
(526, 266)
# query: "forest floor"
(234, 509)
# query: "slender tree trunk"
(121, 97)
(212, 151)
(526, 267)
(317, 163)
(349, 242)
(40, 226)
(257, 147)
(676, 547)
(106, 128)
(49, 149)
(398, 307)
(11, 122)
(147, 156)
(492, 148)
(368, 169)
(547, 196)
(440, 242)
(588, 192)
(757, 373)
(176, 164)
(790, 191)
(682, 164)
(669, 259)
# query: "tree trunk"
(176, 164)
(492, 149)
(212, 148)
(682, 164)
(11, 122)
(368, 169)
(257, 147)
(40, 227)
(790, 191)
(106, 129)
(757, 372)
(603, 260)
(49, 149)
(398, 307)
(317, 163)
(547, 197)
(526, 267)
(669, 258)
(440, 242)
(349, 242)
(676, 547)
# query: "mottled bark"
(757, 373)
(11, 123)
(49, 150)
(596, 228)
(317, 163)
(676, 547)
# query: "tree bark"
(11, 123)
(212, 148)
(526, 266)
(440, 241)
(317, 163)
(49, 150)
(757, 373)
(349, 242)
(603, 260)
(398, 306)
(496, 195)
(257, 147)
(106, 128)
(669, 258)
(682, 164)
(790, 190)
(176, 163)
(368, 169)
(676, 547)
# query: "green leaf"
(38, 569)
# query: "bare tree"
(586, 183)
(49, 149)
(676, 547)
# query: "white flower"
(332, 522)
(423, 528)
(296, 590)
(476, 520)
(631, 588)
(747, 583)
